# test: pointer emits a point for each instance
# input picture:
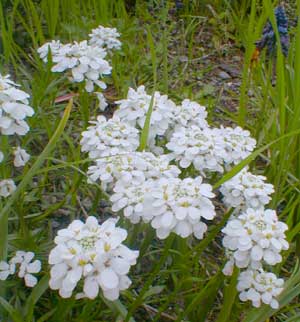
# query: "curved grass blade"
(15, 315)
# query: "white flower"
(201, 147)
(246, 190)
(14, 108)
(7, 187)
(93, 253)
(229, 266)
(54, 46)
(179, 206)
(133, 110)
(260, 286)
(189, 113)
(237, 144)
(210, 149)
(109, 137)
(255, 236)
(170, 204)
(87, 63)
(131, 169)
(27, 267)
(104, 37)
(21, 157)
(21, 262)
(135, 201)
(102, 101)
(6, 269)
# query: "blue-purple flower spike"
(268, 39)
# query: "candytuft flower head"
(170, 204)
(210, 149)
(86, 63)
(53, 46)
(189, 113)
(14, 108)
(246, 190)
(133, 110)
(109, 137)
(255, 237)
(259, 287)
(93, 253)
(131, 168)
(200, 147)
(105, 37)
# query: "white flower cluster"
(87, 63)
(210, 149)
(109, 137)
(186, 125)
(200, 147)
(26, 267)
(237, 144)
(86, 60)
(14, 109)
(246, 190)
(255, 236)
(133, 110)
(138, 178)
(170, 204)
(260, 287)
(93, 253)
(190, 113)
(147, 187)
(105, 38)
(131, 168)
(252, 238)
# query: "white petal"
(30, 280)
(112, 294)
(91, 287)
(34, 267)
(109, 279)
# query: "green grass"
(174, 279)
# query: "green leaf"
(154, 290)
(15, 315)
(146, 128)
(203, 301)
(230, 293)
(35, 295)
(118, 308)
(46, 316)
